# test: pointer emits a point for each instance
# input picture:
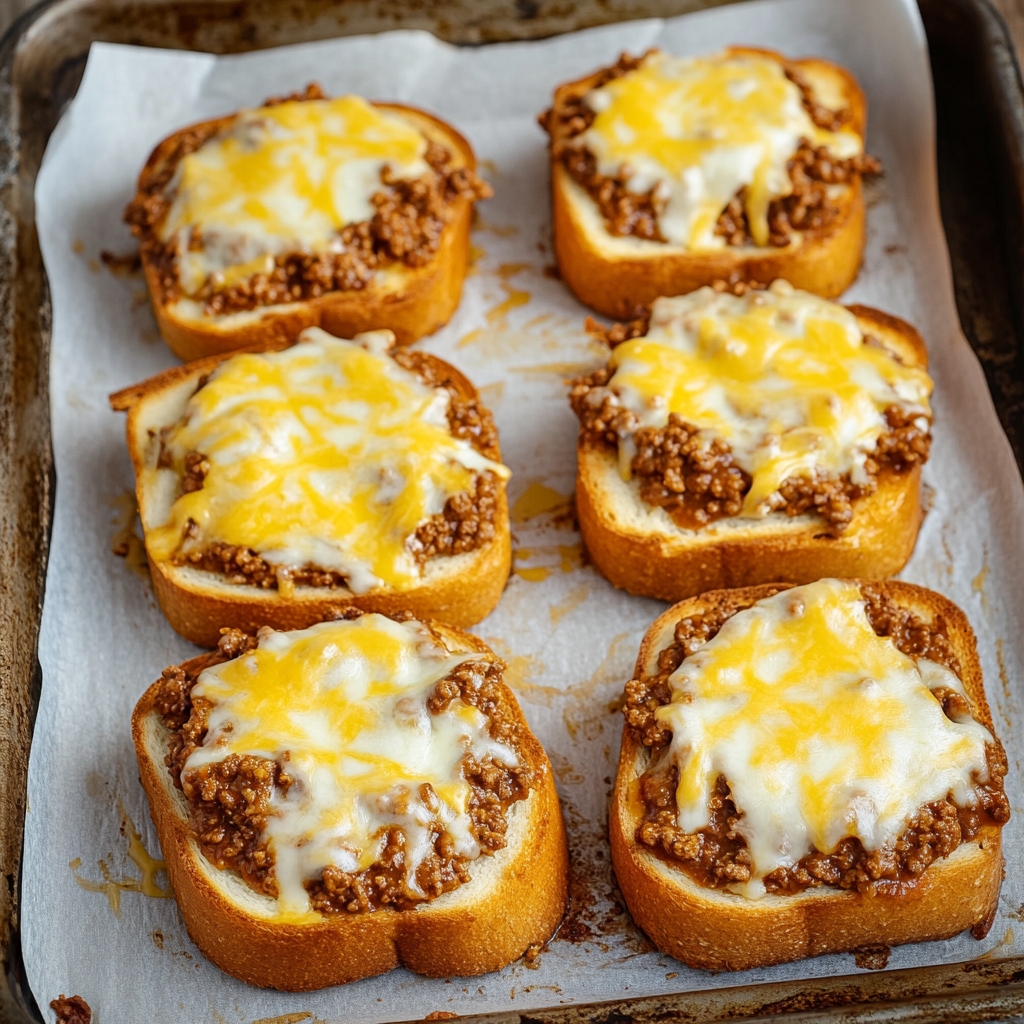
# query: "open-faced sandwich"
(740, 439)
(339, 800)
(274, 487)
(307, 211)
(669, 173)
(808, 770)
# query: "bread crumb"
(71, 1010)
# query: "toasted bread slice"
(640, 549)
(513, 900)
(616, 275)
(460, 589)
(410, 301)
(718, 930)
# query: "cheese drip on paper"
(781, 375)
(822, 728)
(284, 179)
(327, 454)
(701, 129)
(345, 704)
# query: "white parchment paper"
(571, 639)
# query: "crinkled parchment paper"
(95, 917)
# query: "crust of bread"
(617, 276)
(411, 301)
(721, 931)
(514, 899)
(641, 550)
(459, 589)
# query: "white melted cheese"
(822, 728)
(284, 179)
(326, 454)
(782, 375)
(700, 129)
(343, 705)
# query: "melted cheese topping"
(345, 704)
(284, 179)
(822, 728)
(700, 129)
(783, 376)
(327, 454)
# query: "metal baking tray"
(980, 152)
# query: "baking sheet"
(95, 917)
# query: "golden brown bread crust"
(412, 302)
(198, 605)
(825, 261)
(878, 542)
(721, 931)
(473, 930)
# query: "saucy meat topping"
(466, 523)
(408, 223)
(717, 855)
(691, 475)
(809, 207)
(229, 800)
(695, 478)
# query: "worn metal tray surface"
(980, 106)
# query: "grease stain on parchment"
(562, 557)
(95, 785)
(126, 542)
(536, 574)
(560, 369)
(948, 553)
(289, 1018)
(519, 668)
(492, 394)
(1006, 940)
(978, 583)
(583, 717)
(127, 264)
(112, 887)
(497, 315)
(565, 769)
(539, 499)
(569, 603)
(1003, 676)
(500, 230)
(596, 909)
(1004, 679)
(1018, 914)
(927, 498)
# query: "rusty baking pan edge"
(980, 108)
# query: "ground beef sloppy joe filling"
(405, 227)
(718, 855)
(692, 471)
(465, 522)
(413, 858)
(813, 172)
